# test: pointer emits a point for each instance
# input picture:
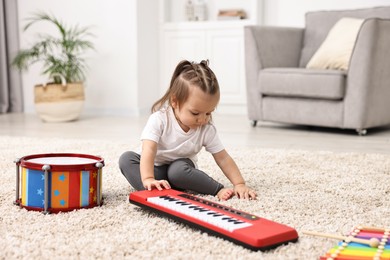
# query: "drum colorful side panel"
(33, 188)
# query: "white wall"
(123, 72)
(113, 80)
(292, 12)
(148, 58)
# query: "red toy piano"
(242, 228)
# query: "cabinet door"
(225, 51)
(177, 46)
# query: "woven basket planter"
(59, 102)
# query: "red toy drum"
(59, 182)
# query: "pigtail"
(180, 68)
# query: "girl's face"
(196, 110)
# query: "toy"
(58, 182)
(362, 243)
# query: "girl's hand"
(244, 192)
(158, 184)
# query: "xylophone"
(242, 228)
(362, 243)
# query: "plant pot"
(59, 102)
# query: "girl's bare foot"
(225, 194)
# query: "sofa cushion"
(298, 82)
(318, 24)
(335, 52)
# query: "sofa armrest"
(368, 87)
(268, 47)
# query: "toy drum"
(59, 182)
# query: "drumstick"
(374, 228)
(373, 242)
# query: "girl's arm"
(149, 150)
(231, 171)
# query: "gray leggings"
(181, 174)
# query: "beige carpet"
(319, 191)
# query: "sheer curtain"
(11, 95)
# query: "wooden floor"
(234, 131)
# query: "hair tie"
(205, 63)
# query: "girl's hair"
(185, 75)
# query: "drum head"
(61, 161)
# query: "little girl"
(180, 125)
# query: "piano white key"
(207, 215)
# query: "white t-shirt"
(174, 143)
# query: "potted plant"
(62, 62)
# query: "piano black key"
(219, 206)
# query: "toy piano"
(242, 228)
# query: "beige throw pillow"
(335, 52)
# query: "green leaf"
(60, 53)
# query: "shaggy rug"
(320, 191)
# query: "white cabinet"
(224, 48)
(221, 42)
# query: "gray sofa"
(281, 89)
